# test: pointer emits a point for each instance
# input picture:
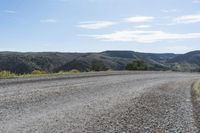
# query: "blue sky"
(98, 25)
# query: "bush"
(95, 67)
(197, 70)
(38, 72)
(137, 65)
(7, 74)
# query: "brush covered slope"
(116, 60)
(186, 62)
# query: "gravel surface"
(147, 102)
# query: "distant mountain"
(115, 60)
(186, 62)
(155, 61)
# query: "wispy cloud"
(143, 26)
(144, 36)
(137, 19)
(96, 24)
(48, 21)
(188, 19)
(10, 11)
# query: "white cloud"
(143, 26)
(10, 11)
(144, 36)
(48, 21)
(96, 24)
(188, 19)
(137, 19)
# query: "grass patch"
(7, 74)
(196, 90)
(35, 73)
(38, 72)
(74, 71)
(196, 102)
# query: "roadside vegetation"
(38, 72)
(73, 71)
(196, 70)
(34, 73)
(7, 74)
(196, 101)
(97, 66)
(196, 90)
(137, 65)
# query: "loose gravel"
(147, 102)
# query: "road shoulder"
(166, 108)
(196, 102)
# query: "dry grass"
(7, 74)
(73, 71)
(196, 90)
(35, 73)
(38, 72)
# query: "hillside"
(27, 62)
(186, 61)
(115, 60)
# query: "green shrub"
(95, 67)
(7, 74)
(196, 70)
(38, 72)
(137, 65)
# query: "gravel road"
(146, 102)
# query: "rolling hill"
(116, 60)
(186, 62)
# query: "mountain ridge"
(26, 62)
